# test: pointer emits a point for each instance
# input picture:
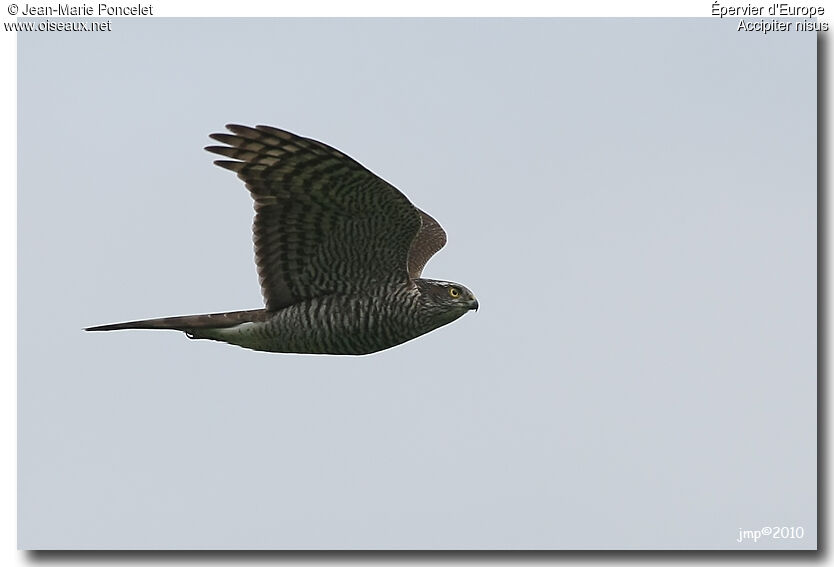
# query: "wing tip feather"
(235, 166)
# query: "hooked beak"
(473, 304)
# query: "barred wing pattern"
(323, 224)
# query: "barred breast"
(334, 324)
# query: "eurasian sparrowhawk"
(339, 253)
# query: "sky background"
(633, 202)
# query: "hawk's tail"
(190, 322)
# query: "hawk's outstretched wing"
(323, 222)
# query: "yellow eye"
(454, 292)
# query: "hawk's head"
(445, 301)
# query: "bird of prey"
(339, 253)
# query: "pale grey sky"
(632, 201)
